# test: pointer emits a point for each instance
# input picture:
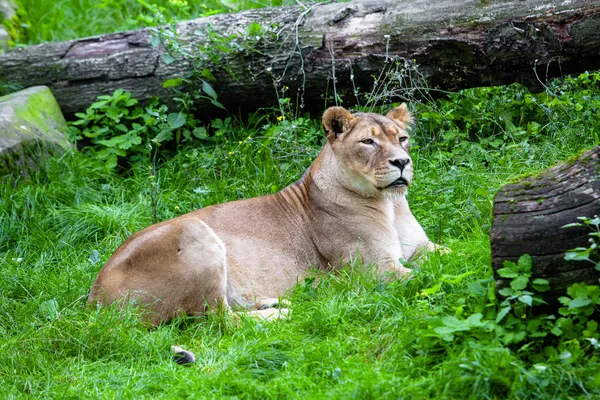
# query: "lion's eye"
(367, 141)
(403, 139)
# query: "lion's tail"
(181, 356)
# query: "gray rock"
(32, 128)
(7, 12)
(7, 9)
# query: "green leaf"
(519, 283)
(208, 75)
(502, 313)
(506, 292)
(432, 290)
(164, 136)
(579, 302)
(541, 285)
(556, 331)
(254, 29)
(474, 320)
(49, 309)
(578, 254)
(578, 290)
(507, 273)
(206, 88)
(94, 257)
(174, 82)
(233, 4)
(111, 161)
(564, 300)
(200, 132)
(476, 288)
(122, 128)
(525, 263)
(155, 41)
(122, 141)
(454, 323)
(540, 281)
(217, 104)
(131, 102)
(445, 332)
(526, 299)
(167, 58)
(176, 120)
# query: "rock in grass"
(4, 37)
(7, 13)
(32, 128)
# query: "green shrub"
(492, 120)
(118, 127)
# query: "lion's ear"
(401, 116)
(337, 120)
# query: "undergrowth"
(53, 21)
(441, 334)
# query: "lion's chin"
(396, 191)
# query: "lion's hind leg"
(199, 271)
(173, 268)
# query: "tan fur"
(242, 252)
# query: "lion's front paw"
(269, 314)
(403, 272)
(263, 304)
(442, 249)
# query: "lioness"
(350, 201)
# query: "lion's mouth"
(398, 182)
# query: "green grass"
(53, 21)
(350, 335)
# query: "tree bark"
(455, 44)
(529, 216)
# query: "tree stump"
(529, 217)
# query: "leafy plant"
(592, 253)
(204, 56)
(515, 320)
(477, 125)
(119, 128)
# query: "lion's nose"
(400, 163)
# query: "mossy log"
(455, 43)
(529, 217)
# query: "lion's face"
(372, 149)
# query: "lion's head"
(372, 149)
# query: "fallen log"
(455, 44)
(529, 217)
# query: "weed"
(118, 127)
